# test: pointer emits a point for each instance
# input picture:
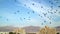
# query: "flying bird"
(41, 23)
(44, 21)
(24, 18)
(39, 14)
(45, 14)
(59, 6)
(50, 22)
(18, 11)
(33, 12)
(14, 12)
(15, 0)
(41, 6)
(51, 12)
(7, 19)
(33, 4)
(0, 16)
(28, 12)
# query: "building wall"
(47, 30)
(4, 32)
(21, 31)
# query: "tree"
(11, 33)
(57, 33)
(14, 32)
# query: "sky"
(21, 13)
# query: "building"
(35, 30)
(4, 32)
(47, 30)
(31, 29)
(19, 31)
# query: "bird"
(59, 6)
(49, 1)
(50, 22)
(39, 14)
(24, 18)
(41, 6)
(33, 12)
(51, 12)
(29, 17)
(7, 19)
(21, 19)
(44, 21)
(15, 0)
(51, 7)
(59, 12)
(18, 11)
(14, 12)
(24, 4)
(54, 11)
(28, 12)
(0, 16)
(33, 4)
(49, 18)
(45, 14)
(48, 12)
(41, 23)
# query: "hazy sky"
(22, 13)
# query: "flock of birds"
(43, 14)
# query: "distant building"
(35, 30)
(47, 30)
(19, 31)
(4, 32)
